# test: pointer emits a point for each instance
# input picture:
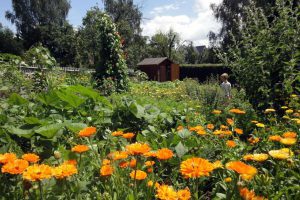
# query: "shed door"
(168, 72)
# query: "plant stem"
(41, 190)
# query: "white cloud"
(195, 28)
(160, 9)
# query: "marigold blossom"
(105, 162)
(289, 134)
(7, 157)
(210, 126)
(288, 141)
(117, 133)
(238, 131)
(164, 154)
(217, 112)
(281, 154)
(247, 172)
(228, 179)
(237, 111)
(138, 148)
(184, 194)
(230, 121)
(80, 148)
(289, 111)
(276, 138)
(16, 166)
(64, 171)
(132, 163)
(138, 175)
(196, 167)
(87, 132)
(165, 192)
(118, 155)
(270, 110)
(259, 157)
(37, 172)
(230, 143)
(260, 125)
(149, 163)
(31, 157)
(128, 135)
(123, 164)
(106, 170)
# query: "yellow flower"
(217, 164)
(64, 171)
(230, 121)
(118, 155)
(237, 111)
(150, 183)
(16, 166)
(106, 170)
(149, 163)
(238, 131)
(276, 138)
(231, 143)
(117, 133)
(37, 172)
(284, 107)
(260, 125)
(281, 154)
(128, 135)
(288, 141)
(228, 179)
(210, 126)
(80, 148)
(217, 112)
(7, 157)
(269, 110)
(260, 157)
(289, 111)
(165, 192)
(289, 134)
(31, 157)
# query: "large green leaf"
(26, 133)
(16, 99)
(84, 91)
(33, 120)
(49, 131)
(49, 99)
(180, 149)
(70, 98)
(137, 110)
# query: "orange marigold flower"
(184, 194)
(149, 163)
(231, 143)
(123, 164)
(276, 138)
(138, 175)
(237, 111)
(165, 192)
(289, 134)
(87, 132)
(246, 171)
(118, 155)
(164, 154)
(247, 194)
(7, 157)
(201, 132)
(259, 157)
(230, 121)
(138, 148)
(37, 172)
(31, 157)
(238, 131)
(132, 163)
(196, 167)
(196, 128)
(106, 162)
(128, 135)
(281, 154)
(64, 171)
(106, 170)
(16, 166)
(179, 128)
(224, 128)
(217, 112)
(117, 133)
(80, 148)
(288, 141)
(210, 126)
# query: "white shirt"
(226, 86)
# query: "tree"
(166, 45)
(127, 17)
(265, 57)
(29, 15)
(9, 43)
(190, 54)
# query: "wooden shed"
(160, 69)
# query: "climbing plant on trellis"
(111, 75)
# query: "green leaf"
(16, 99)
(70, 98)
(180, 149)
(184, 133)
(26, 133)
(49, 99)
(49, 131)
(137, 110)
(32, 120)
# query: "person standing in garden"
(226, 86)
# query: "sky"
(192, 19)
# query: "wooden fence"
(30, 70)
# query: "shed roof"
(153, 61)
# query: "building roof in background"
(153, 61)
(200, 49)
